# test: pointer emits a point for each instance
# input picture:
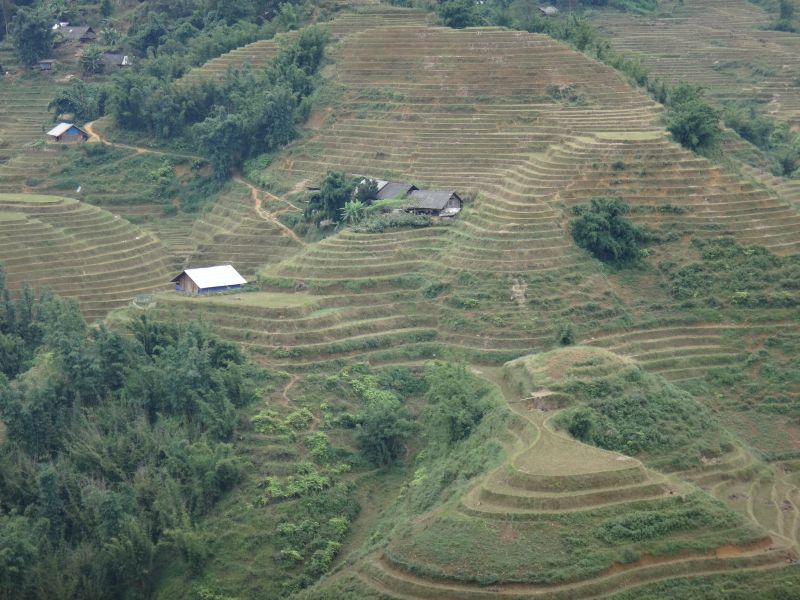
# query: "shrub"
(690, 119)
(602, 229)
(564, 332)
(393, 220)
(458, 13)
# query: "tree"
(367, 191)
(690, 119)
(458, 13)
(353, 211)
(32, 34)
(581, 424)
(110, 36)
(602, 229)
(383, 425)
(91, 61)
(84, 100)
(336, 190)
(455, 402)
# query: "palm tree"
(92, 61)
(353, 211)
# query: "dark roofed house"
(435, 203)
(394, 189)
(115, 61)
(77, 34)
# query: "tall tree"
(32, 34)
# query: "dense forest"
(116, 443)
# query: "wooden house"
(387, 190)
(207, 280)
(47, 64)
(394, 189)
(435, 203)
(112, 61)
(67, 133)
(82, 35)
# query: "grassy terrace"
(528, 529)
(478, 111)
(77, 250)
(720, 44)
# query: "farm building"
(548, 11)
(67, 132)
(71, 33)
(115, 61)
(434, 203)
(394, 189)
(46, 64)
(208, 280)
(388, 189)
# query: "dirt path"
(255, 192)
(255, 195)
(94, 136)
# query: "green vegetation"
(330, 202)
(690, 119)
(730, 276)
(31, 30)
(776, 139)
(602, 229)
(245, 115)
(640, 415)
(116, 445)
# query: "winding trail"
(255, 195)
(255, 192)
(94, 136)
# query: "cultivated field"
(721, 44)
(79, 251)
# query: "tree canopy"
(601, 228)
(116, 444)
(690, 119)
(32, 34)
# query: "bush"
(393, 220)
(601, 228)
(690, 119)
(458, 13)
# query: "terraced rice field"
(474, 111)
(720, 44)
(78, 251)
(548, 478)
(238, 231)
(258, 54)
(24, 119)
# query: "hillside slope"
(78, 250)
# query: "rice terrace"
(403, 299)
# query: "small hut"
(81, 35)
(113, 61)
(394, 189)
(67, 133)
(207, 280)
(548, 11)
(46, 64)
(435, 203)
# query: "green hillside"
(475, 407)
